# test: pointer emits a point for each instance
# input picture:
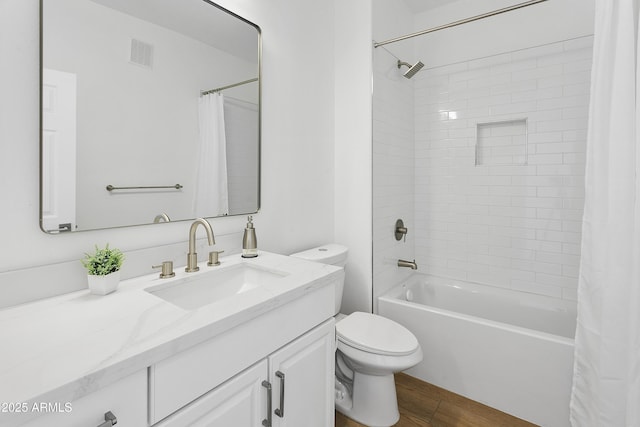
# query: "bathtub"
(510, 350)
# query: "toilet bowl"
(370, 349)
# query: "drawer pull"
(109, 420)
(267, 422)
(280, 410)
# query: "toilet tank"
(333, 254)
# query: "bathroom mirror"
(150, 112)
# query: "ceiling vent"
(141, 53)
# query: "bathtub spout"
(410, 264)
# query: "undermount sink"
(203, 288)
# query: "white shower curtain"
(211, 195)
(606, 383)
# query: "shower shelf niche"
(501, 143)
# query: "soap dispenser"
(249, 241)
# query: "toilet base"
(374, 402)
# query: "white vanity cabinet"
(292, 387)
(126, 399)
(241, 371)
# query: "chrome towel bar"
(111, 187)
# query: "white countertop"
(62, 348)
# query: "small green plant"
(103, 261)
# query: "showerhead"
(413, 69)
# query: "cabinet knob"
(109, 420)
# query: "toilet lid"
(376, 334)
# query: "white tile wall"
(502, 223)
(393, 176)
(501, 142)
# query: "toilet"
(370, 349)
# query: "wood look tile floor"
(425, 405)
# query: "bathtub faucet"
(410, 264)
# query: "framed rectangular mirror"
(150, 112)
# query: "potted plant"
(103, 268)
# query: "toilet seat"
(376, 334)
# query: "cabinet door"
(126, 399)
(239, 402)
(302, 376)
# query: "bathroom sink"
(196, 290)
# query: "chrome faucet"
(410, 264)
(192, 256)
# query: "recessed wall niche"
(501, 143)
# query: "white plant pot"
(103, 285)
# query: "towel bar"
(111, 187)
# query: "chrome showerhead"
(413, 69)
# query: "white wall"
(298, 122)
(241, 131)
(297, 153)
(353, 221)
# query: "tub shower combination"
(510, 350)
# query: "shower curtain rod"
(206, 92)
(460, 22)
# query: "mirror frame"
(41, 139)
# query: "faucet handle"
(213, 258)
(400, 230)
(167, 269)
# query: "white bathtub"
(510, 350)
